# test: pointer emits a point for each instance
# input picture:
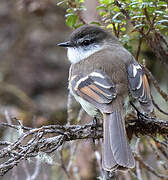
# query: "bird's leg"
(139, 114)
(95, 121)
(110, 175)
(94, 128)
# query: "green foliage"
(143, 15)
(71, 19)
(123, 17)
(111, 12)
(73, 12)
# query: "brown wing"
(96, 88)
(139, 86)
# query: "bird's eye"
(86, 42)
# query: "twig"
(63, 165)
(153, 147)
(73, 149)
(34, 141)
(80, 115)
(162, 150)
(36, 170)
(73, 5)
(159, 109)
(69, 107)
(139, 47)
(25, 168)
(160, 142)
(155, 42)
(156, 84)
(159, 150)
(149, 168)
(138, 171)
(133, 174)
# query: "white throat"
(76, 54)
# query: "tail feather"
(108, 161)
(117, 152)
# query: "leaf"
(162, 21)
(61, 2)
(102, 13)
(115, 16)
(116, 9)
(165, 16)
(117, 21)
(139, 25)
(109, 26)
(123, 29)
(100, 7)
(69, 14)
(97, 23)
(135, 17)
(160, 12)
(69, 10)
(78, 25)
(71, 20)
(106, 2)
(162, 4)
(82, 8)
(134, 3)
(125, 38)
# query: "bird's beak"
(65, 44)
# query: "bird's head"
(85, 41)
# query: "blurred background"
(34, 73)
(33, 70)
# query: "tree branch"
(34, 141)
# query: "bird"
(101, 77)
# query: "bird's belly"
(88, 107)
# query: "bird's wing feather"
(139, 86)
(96, 88)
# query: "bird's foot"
(140, 115)
(94, 128)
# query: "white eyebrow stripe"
(107, 87)
(96, 74)
(79, 81)
(140, 82)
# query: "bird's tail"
(116, 150)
